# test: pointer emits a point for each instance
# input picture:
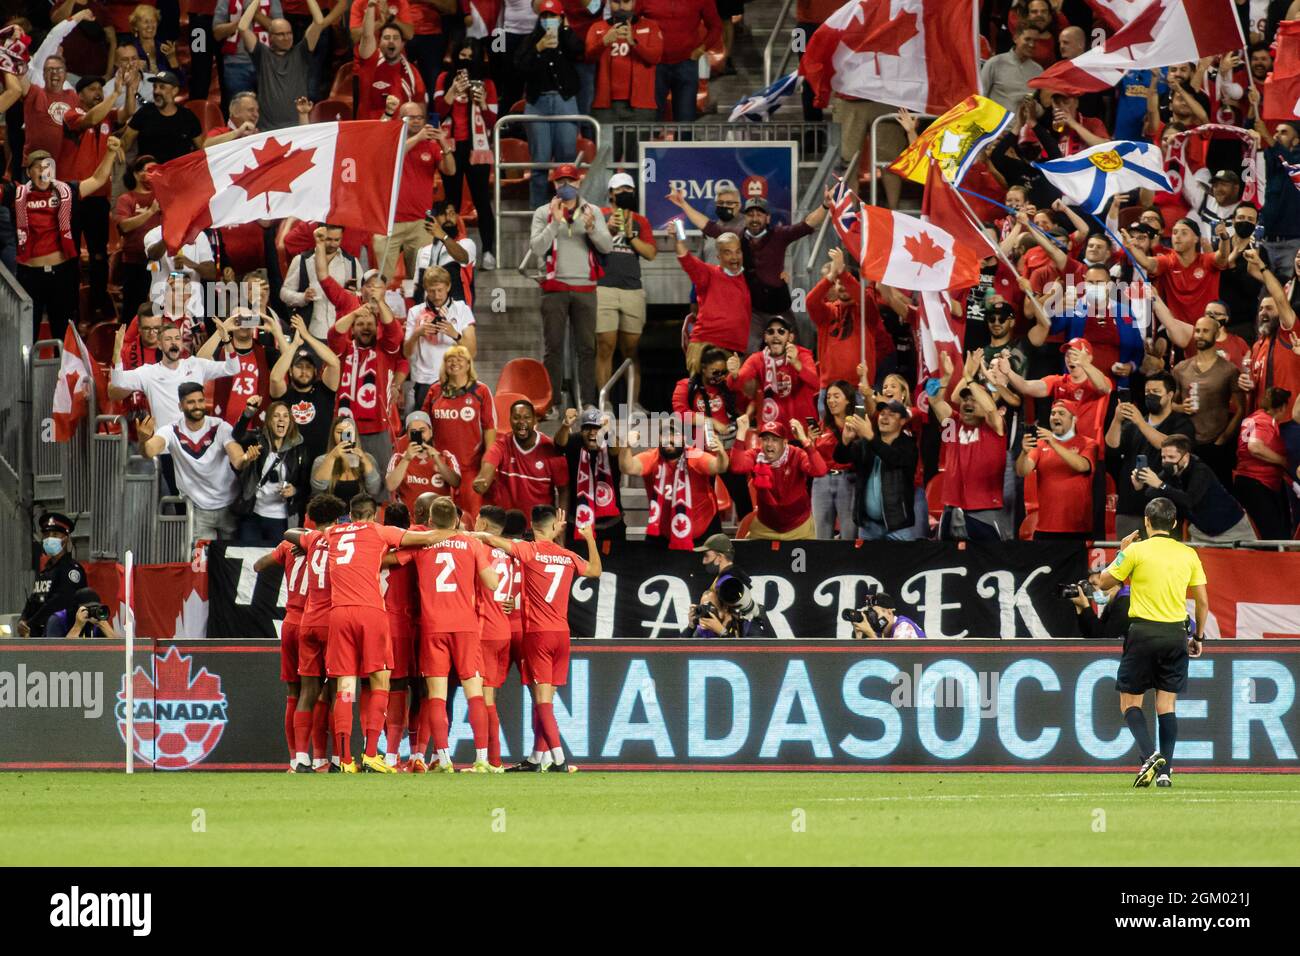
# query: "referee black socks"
(1137, 723)
(1168, 727)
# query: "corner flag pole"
(128, 642)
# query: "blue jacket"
(1130, 339)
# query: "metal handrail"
(877, 164)
(604, 153)
(820, 240)
(628, 369)
(522, 118)
(770, 46)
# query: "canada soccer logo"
(178, 718)
(304, 413)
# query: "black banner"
(830, 705)
(951, 590)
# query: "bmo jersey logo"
(178, 718)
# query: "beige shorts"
(620, 310)
(408, 239)
(803, 532)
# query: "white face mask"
(732, 272)
(1067, 436)
(1100, 598)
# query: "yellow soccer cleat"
(480, 766)
(375, 764)
(350, 767)
(443, 768)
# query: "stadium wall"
(659, 705)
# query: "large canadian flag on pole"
(914, 53)
(1165, 32)
(345, 173)
(72, 389)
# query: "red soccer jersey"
(548, 579)
(43, 113)
(660, 475)
(1260, 427)
(419, 174)
(399, 585)
(448, 573)
(243, 385)
(131, 204)
(976, 458)
(378, 79)
(316, 611)
(1272, 362)
(706, 400)
(782, 485)
(492, 617)
(295, 578)
(356, 555)
(1188, 289)
(1064, 495)
(83, 149)
(783, 392)
(460, 421)
(525, 478)
(1090, 400)
(421, 476)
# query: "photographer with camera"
(89, 619)
(1101, 613)
(727, 608)
(879, 620)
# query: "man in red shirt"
(682, 22)
(417, 467)
(626, 49)
(1275, 356)
(781, 473)
(46, 94)
(231, 396)
(523, 469)
(1084, 384)
(450, 574)
(310, 715)
(382, 69)
(1186, 278)
(723, 313)
(976, 458)
(782, 380)
(679, 486)
(359, 643)
(1063, 459)
(495, 624)
(293, 565)
(428, 153)
(548, 571)
(833, 307)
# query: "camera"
(867, 612)
(703, 610)
(1069, 592)
(96, 612)
(735, 596)
(853, 616)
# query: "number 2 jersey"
(449, 584)
(495, 621)
(548, 579)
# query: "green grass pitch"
(668, 818)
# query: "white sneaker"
(489, 262)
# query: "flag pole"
(975, 221)
(397, 185)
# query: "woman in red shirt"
(713, 394)
(136, 212)
(1257, 481)
(832, 493)
(464, 420)
(466, 100)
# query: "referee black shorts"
(1155, 657)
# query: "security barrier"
(16, 573)
(109, 453)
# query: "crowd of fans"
(1103, 369)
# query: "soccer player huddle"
(380, 617)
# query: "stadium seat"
(586, 151)
(99, 340)
(514, 182)
(1031, 492)
(527, 377)
(518, 106)
(331, 110)
(723, 496)
(208, 113)
(742, 530)
(1029, 526)
(933, 498)
(342, 87)
(503, 401)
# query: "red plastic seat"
(742, 530)
(723, 496)
(513, 181)
(586, 151)
(528, 377)
(1029, 526)
(207, 112)
(331, 110)
(934, 497)
(1031, 492)
(502, 401)
(342, 87)
(99, 340)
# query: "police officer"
(57, 585)
(1160, 572)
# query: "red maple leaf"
(877, 34)
(275, 171)
(923, 250)
(1138, 30)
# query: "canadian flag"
(1113, 14)
(1165, 32)
(906, 253)
(480, 17)
(72, 390)
(1282, 88)
(915, 53)
(344, 173)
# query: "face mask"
(724, 213)
(1244, 230)
(52, 546)
(1099, 598)
(672, 453)
(1154, 404)
(567, 193)
(1068, 436)
(620, 16)
(594, 6)
(625, 200)
(550, 24)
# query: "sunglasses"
(767, 332)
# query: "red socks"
(478, 721)
(376, 703)
(494, 735)
(302, 731)
(343, 726)
(395, 725)
(320, 730)
(550, 728)
(539, 734)
(365, 708)
(439, 723)
(290, 706)
(425, 724)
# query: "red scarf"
(672, 496)
(595, 487)
(778, 383)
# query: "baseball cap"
(418, 416)
(1081, 344)
(1226, 175)
(719, 543)
(53, 521)
(551, 6)
(567, 171)
(621, 180)
(1068, 405)
(898, 408)
(85, 81)
(590, 418)
(35, 156)
(168, 77)
(305, 354)
(779, 319)
(371, 274)
(756, 202)
(773, 428)
(886, 601)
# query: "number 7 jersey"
(548, 580)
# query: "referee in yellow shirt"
(1160, 572)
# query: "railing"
(626, 369)
(803, 273)
(521, 119)
(769, 49)
(1285, 545)
(108, 457)
(878, 165)
(814, 139)
(16, 574)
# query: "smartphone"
(1140, 463)
(809, 421)
(680, 228)
(708, 432)
(1124, 395)
(249, 321)
(860, 410)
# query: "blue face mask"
(550, 23)
(594, 7)
(1099, 598)
(567, 192)
(52, 546)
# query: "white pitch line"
(1242, 796)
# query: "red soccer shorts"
(548, 657)
(359, 644)
(289, 650)
(443, 651)
(496, 662)
(401, 630)
(311, 648)
(517, 655)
